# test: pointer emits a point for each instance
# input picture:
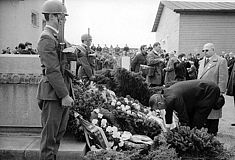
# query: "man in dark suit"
(139, 59)
(193, 100)
(55, 88)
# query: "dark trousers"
(54, 120)
(198, 118)
(212, 125)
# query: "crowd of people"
(22, 48)
(169, 68)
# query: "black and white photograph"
(117, 80)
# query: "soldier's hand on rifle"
(67, 101)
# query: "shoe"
(233, 124)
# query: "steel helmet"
(86, 37)
(53, 6)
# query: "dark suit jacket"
(55, 84)
(137, 61)
(181, 72)
(186, 97)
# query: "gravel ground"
(226, 133)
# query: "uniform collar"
(53, 29)
(84, 45)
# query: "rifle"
(70, 56)
(61, 34)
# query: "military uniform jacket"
(86, 70)
(55, 84)
(215, 71)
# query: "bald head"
(209, 46)
(208, 50)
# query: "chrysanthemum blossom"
(94, 121)
(100, 115)
(97, 110)
(103, 123)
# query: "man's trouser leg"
(200, 116)
(52, 118)
(62, 128)
(213, 126)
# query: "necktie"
(206, 61)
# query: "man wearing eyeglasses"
(213, 68)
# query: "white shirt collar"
(54, 29)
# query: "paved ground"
(226, 133)
(26, 147)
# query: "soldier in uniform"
(86, 63)
(55, 88)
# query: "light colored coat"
(170, 70)
(156, 62)
(216, 71)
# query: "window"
(35, 19)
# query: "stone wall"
(19, 76)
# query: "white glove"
(67, 101)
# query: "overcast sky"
(113, 22)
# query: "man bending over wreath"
(193, 100)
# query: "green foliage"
(85, 102)
(124, 82)
(161, 152)
(194, 143)
(133, 84)
(137, 124)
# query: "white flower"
(114, 129)
(76, 114)
(109, 129)
(94, 121)
(137, 107)
(100, 115)
(115, 148)
(110, 144)
(116, 135)
(122, 106)
(134, 104)
(126, 135)
(97, 110)
(126, 100)
(93, 148)
(128, 107)
(113, 103)
(121, 143)
(118, 107)
(119, 103)
(103, 122)
(123, 109)
(128, 112)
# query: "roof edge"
(158, 17)
(205, 10)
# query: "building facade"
(186, 26)
(20, 21)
